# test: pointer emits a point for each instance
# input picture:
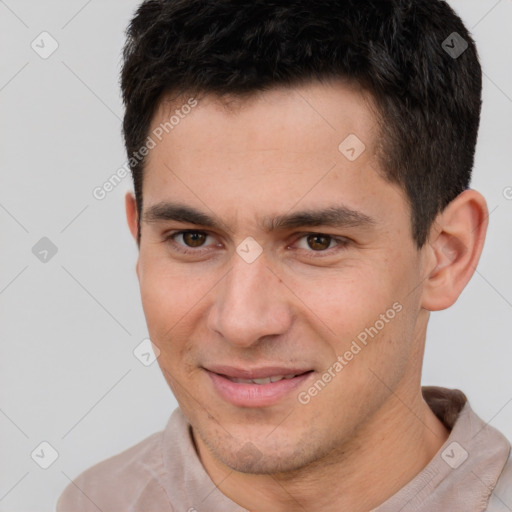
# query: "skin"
(368, 432)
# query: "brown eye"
(319, 242)
(194, 238)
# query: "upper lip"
(255, 373)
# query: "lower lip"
(255, 395)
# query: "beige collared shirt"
(472, 472)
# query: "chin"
(263, 464)
(265, 449)
(264, 458)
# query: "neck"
(386, 453)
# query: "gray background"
(69, 325)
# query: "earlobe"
(131, 214)
(455, 245)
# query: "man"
(301, 174)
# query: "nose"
(251, 303)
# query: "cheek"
(363, 314)
(171, 296)
(346, 301)
(376, 334)
(171, 308)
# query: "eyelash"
(341, 243)
(170, 237)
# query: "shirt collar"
(464, 471)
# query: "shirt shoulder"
(126, 482)
(501, 497)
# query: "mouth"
(257, 387)
(264, 380)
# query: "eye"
(318, 242)
(193, 238)
(190, 239)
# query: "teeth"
(265, 380)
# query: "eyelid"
(171, 236)
(341, 242)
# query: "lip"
(256, 395)
(255, 373)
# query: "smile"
(266, 380)
(257, 390)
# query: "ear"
(131, 215)
(455, 243)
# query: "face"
(269, 250)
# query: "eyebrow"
(333, 216)
(180, 213)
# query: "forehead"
(313, 108)
(266, 153)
